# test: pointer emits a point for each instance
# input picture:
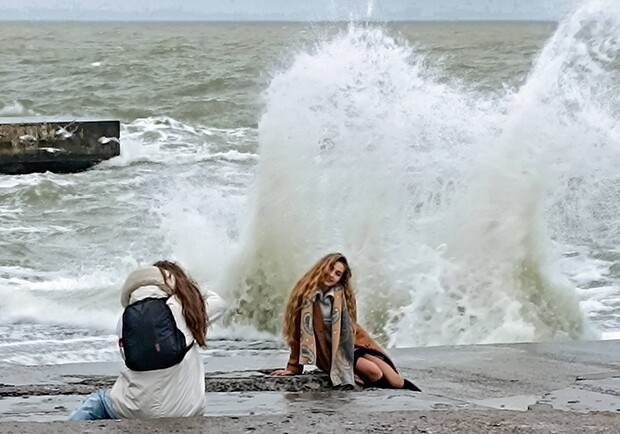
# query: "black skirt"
(359, 352)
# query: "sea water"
(467, 170)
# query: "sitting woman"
(165, 314)
(320, 326)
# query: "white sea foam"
(370, 6)
(15, 108)
(611, 335)
(444, 202)
(51, 297)
(21, 306)
(165, 140)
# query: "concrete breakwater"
(216, 382)
(41, 145)
(571, 387)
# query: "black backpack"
(150, 338)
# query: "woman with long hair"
(320, 326)
(164, 321)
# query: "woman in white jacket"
(176, 391)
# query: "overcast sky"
(294, 10)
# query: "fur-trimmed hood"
(145, 276)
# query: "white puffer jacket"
(178, 391)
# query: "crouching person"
(164, 321)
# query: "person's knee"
(396, 381)
(375, 374)
(371, 372)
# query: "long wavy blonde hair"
(188, 292)
(309, 284)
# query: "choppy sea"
(467, 170)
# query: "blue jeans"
(97, 406)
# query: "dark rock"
(39, 145)
(236, 381)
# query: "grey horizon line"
(277, 20)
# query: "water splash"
(370, 6)
(569, 110)
(16, 109)
(440, 198)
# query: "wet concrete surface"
(573, 377)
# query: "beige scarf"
(342, 334)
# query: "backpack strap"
(189, 347)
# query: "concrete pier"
(41, 144)
(568, 387)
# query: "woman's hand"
(282, 373)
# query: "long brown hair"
(309, 283)
(188, 292)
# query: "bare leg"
(368, 370)
(392, 377)
(359, 380)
